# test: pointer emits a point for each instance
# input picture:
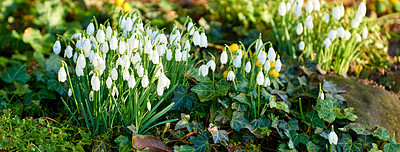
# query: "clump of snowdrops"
(330, 35)
(122, 75)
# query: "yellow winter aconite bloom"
(234, 47)
(126, 7)
(274, 73)
(224, 74)
(394, 1)
(119, 2)
(272, 64)
(258, 64)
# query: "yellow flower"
(119, 2)
(274, 73)
(394, 2)
(224, 74)
(126, 7)
(234, 48)
(272, 64)
(258, 64)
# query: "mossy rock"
(372, 105)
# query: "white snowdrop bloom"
(121, 47)
(332, 34)
(140, 71)
(75, 57)
(108, 32)
(147, 45)
(333, 138)
(122, 22)
(203, 70)
(178, 56)
(317, 5)
(68, 52)
(358, 37)
(355, 23)
(81, 62)
(299, 29)
(239, 53)
(267, 66)
(119, 62)
(69, 92)
(196, 38)
(267, 82)
(57, 47)
(248, 67)
(91, 96)
(300, 2)
(262, 57)
(327, 42)
(100, 36)
(131, 81)
(190, 28)
(109, 82)
(260, 78)
(125, 74)
(76, 36)
(148, 106)
(113, 43)
(341, 32)
(322, 96)
(125, 62)
(187, 46)
(271, 54)
(169, 54)
(136, 58)
(237, 62)
(185, 55)
(90, 29)
(230, 76)
(364, 33)
(224, 57)
(114, 74)
(145, 81)
(297, 11)
(211, 65)
(79, 71)
(259, 45)
(91, 55)
(309, 6)
(160, 89)
(327, 18)
(164, 81)
(129, 24)
(336, 13)
(114, 92)
(347, 35)
(79, 43)
(104, 48)
(302, 45)
(62, 75)
(154, 57)
(278, 65)
(288, 6)
(203, 40)
(341, 8)
(282, 9)
(95, 83)
(362, 9)
(161, 49)
(309, 22)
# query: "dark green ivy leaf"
(201, 143)
(298, 138)
(220, 136)
(381, 133)
(311, 147)
(238, 121)
(17, 74)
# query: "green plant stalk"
(301, 110)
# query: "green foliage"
(201, 142)
(16, 74)
(207, 92)
(238, 121)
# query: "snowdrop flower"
(327, 42)
(154, 57)
(259, 45)
(341, 32)
(327, 18)
(68, 52)
(364, 33)
(100, 36)
(160, 89)
(267, 82)
(109, 82)
(358, 37)
(169, 55)
(322, 96)
(148, 106)
(75, 56)
(271, 54)
(332, 34)
(79, 71)
(178, 55)
(69, 92)
(203, 40)
(129, 24)
(114, 92)
(341, 8)
(203, 70)
(355, 23)
(211, 65)
(145, 81)
(237, 62)
(121, 47)
(122, 22)
(260, 78)
(81, 61)
(140, 71)
(104, 48)
(113, 43)
(317, 5)
(57, 47)
(282, 9)
(288, 6)
(91, 96)
(362, 9)
(114, 74)
(301, 45)
(62, 75)
(90, 29)
(297, 11)
(190, 28)
(309, 23)
(333, 138)
(262, 57)
(336, 13)
(347, 35)
(76, 36)
(95, 83)
(248, 67)
(299, 29)
(267, 66)
(108, 32)
(196, 38)
(230, 76)
(300, 2)
(309, 6)
(185, 55)
(278, 65)
(224, 57)
(125, 75)
(131, 81)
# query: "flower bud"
(57, 47)
(301, 45)
(62, 75)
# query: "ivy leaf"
(315, 121)
(184, 123)
(53, 84)
(238, 121)
(206, 91)
(261, 122)
(53, 63)
(345, 113)
(311, 147)
(358, 128)
(221, 117)
(347, 144)
(325, 110)
(288, 126)
(182, 98)
(201, 143)
(298, 138)
(239, 106)
(332, 88)
(122, 140)
(17, 74)
(219, 136)
(282, 106)
(392, 145)
(183, 148)
(381, 133)
(242, 99)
